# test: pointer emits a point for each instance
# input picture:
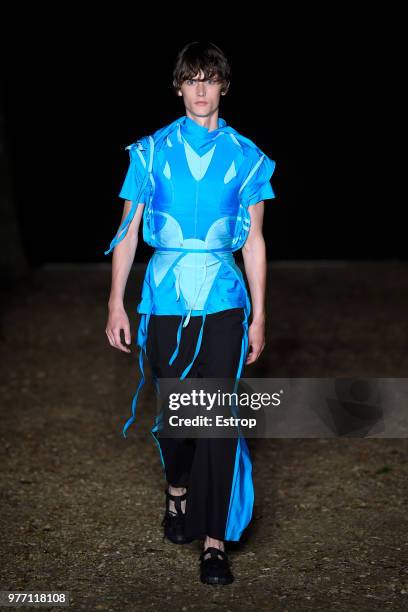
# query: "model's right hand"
(118, 320)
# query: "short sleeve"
(136, 174)
(257, 186)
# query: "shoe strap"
(214, 552)
(177, 500)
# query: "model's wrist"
(115, 302)
(258, 318)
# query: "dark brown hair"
(205, 56)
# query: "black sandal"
(215, 570)
(173, 523)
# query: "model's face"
(201, 98)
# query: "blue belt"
(192, 250)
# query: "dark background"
(330, 113)
(323, 96)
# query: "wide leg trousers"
(205, 466)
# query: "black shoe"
(173, 523)
(215, 569)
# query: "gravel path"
(81, 506)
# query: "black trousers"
(204, 466)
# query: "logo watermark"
(282, 407)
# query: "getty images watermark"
(282, 407)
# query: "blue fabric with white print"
(196, 186)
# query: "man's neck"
(210, 121)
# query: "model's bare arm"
(122, 260)
(254, 256)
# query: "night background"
(81, 507)
(331, 117)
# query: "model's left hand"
(256, 341)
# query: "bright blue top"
(201, 187)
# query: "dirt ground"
(81, 506)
